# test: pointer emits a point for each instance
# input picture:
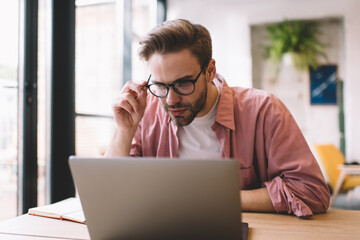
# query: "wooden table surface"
(334, 224)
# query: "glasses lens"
(184, 87)
(158, 90)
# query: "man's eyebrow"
(186, 77)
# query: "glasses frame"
(172, 85)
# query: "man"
(190, 111)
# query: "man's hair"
(176, 35)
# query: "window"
(143, 20)
(100, 53)
(9, 25)
(97, 73)
(100, 50)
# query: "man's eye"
(159, 85)
(184, 86)
(184, 82)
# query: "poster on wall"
(323, 82)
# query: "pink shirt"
(257, 129)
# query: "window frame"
(62, 98)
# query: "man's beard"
(194, 109)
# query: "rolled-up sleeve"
(296, 184)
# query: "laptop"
(159, 198)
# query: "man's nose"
(172, 98)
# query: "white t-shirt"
(198, 140)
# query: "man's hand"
(128, 109)
(129, 106)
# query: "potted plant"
(297, 40)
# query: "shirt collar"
(225, 111)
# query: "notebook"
(68, 209)
(159, 198)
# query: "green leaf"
(298, 37)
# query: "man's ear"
(211, 70)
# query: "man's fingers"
(122, 104)
(134, 87)
(142, 98)
(131, 99)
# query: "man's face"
(168, 68)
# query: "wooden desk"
(335, 224)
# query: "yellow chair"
(331, 157)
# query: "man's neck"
(212, 95)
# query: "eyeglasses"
(182, 87)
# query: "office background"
(62, 62)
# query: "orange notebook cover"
(68, 209)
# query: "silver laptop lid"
(154, 198)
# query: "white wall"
(319, 123)
(229, 24)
